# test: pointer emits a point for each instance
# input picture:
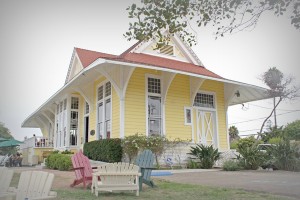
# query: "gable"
(74, 68)
(175, 50)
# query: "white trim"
(47, 117)
(227, 132)
(85, 96)
(156, 95)
(208, 93)
(103, 101)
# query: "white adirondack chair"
(116, 177)
(35, 185)
(5, 179)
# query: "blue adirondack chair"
(145, 161)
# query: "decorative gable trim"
(182, 46)
(75, 62)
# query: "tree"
(151, 17)
(233, 133)
(281, 88)
(4, 132)
(292, 130)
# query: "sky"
(37, 40)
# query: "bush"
(231, 165)
(234, 144)
(192, 164)
(207, 155)
(133, 144)
(250, 157)
(59, 161)
(106, 150)
(285, 156)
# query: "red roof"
(87, 57)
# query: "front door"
(206, 131)
(86, 129)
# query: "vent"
(167, 50)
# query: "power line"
(262, 117)
(270, 108)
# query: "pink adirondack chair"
(83, 170)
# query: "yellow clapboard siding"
(93, 113)
(115, 131)
(178, 97)
(135, 102)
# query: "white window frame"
(207, 108)
(78, 124)
(147, 94)
(103, 100)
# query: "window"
(65, 104)
(74, 103)
(87, 108)
(204, 100)
(167, 50)
(74, 121)
(107, 89)
(154, 85)
(187, 116)
(154, 107)
(100, 93)
(104, 111)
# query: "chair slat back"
(5, 178)
(80, 160)
(34, 184)
(145, 159)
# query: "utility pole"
(275, 120)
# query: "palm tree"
(233, 133)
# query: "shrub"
(231, 165)
(285, 156)
(106, 150)
(275, 140)
(207, 155)
(292, 130)
(191, 164)
(250, 157)
(59, 161)
(133, 144)
(234, 144)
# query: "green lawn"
(168, 190)
(164, 190)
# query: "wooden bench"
(115, 177)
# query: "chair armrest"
(77, 168)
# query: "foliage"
(250, 157)
(151, 17)
(275, 140)
(273, 132)
(207, 155)
(59, 161)
(133, 144)
(292, 130)
(66, 152)
(136, 143)
(191, 164)
(4, 132)
(247, 142)
(231, 165)
(234, 144)
(233, 133)
(286, 156)
(106, 150)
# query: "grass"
(166, 191)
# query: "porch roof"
(246, 91)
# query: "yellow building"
(153, 92)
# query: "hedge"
(59, 161)
(106, 150)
